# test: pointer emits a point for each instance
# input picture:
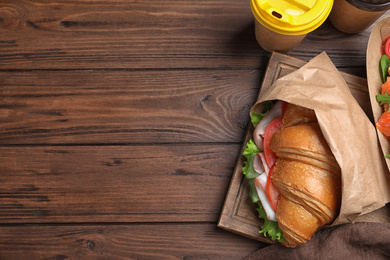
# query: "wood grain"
(121, 123)
(125, 106)
(148, 183)
(142, 34)
(156, 241)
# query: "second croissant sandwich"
(297, 178)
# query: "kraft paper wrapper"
(374, 53)
(350, 134)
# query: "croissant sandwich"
(292, 173)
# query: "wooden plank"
(111, 107)
(141, 34)
(170, 183)
(157, 241)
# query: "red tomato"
(387, 47)
(383, 124)
(273, 127)
(271, 191)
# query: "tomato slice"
(387, 47)
(272, 193)
(383, 124)
(272, 128)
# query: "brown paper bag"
(351, 136)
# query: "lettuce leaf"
(251, 148)
(250, 152)
(248, 169)
(270, 228)
(256, 117)
(383, 99)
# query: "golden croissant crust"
(307, 176)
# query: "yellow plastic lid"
(291, 17)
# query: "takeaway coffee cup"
(280, 25)
(354, 16)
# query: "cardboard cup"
(351, 18)
(282, 25)
(273, 41)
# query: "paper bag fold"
(318, 85)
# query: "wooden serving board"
(239, 214)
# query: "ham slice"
(258, 133)
(259, 182)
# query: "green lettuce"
(250, 151)
(383, 99)
(256, 117)
(270, 228)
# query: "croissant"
(307, 176)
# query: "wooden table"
(121, 123)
